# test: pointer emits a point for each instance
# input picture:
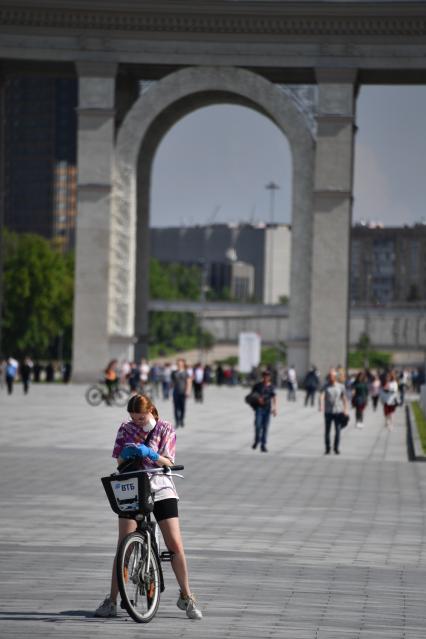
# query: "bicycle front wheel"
(138, 576)
(121, 396)
(94, 395)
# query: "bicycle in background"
(98, 393)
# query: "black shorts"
(166, 509)
(163, 509)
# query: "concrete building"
(253, 261)
(40, 172)
(388, 265)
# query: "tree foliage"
(174, 281)
(171, 332)
(38, 296)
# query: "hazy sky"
(214, 164)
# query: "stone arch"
(150, 117)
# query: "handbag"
(343, 420)
(253, 399)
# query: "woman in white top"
(389, 398)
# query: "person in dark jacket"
(267, 404)
(25, 371)
(311, 385)
(359, 398)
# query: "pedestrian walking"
(50, 372)
(291, 384)
(25, 371)
(359, 398)
(375, 386)
(220, 375)
(166, 380)
(125, 369)
(37, 371)
(2, 372)
(197, 383)
(134, 377)
(334, 405)
(266, 404)
(311, 385)
(66, 372)
(389, 398)
(181, 382)
(144, 369)
(403, 385)
(11, 372)
(154, 378)
(207, 374)
(151, 442)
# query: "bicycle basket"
(129, 493)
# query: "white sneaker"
(107, 609)
(188, 603)
(359, 425)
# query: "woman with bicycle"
(145, 427)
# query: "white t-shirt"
(198, 375)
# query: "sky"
(214, 164)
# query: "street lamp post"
(272, 187)
(203, 289)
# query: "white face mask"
(149, 425)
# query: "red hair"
(142, 404)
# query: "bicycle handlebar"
(125, 467)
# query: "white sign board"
(248, 351)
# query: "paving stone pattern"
(289, 544)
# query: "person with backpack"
(311, 385)
(265, 403)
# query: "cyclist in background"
(111, 379)
(145, 427)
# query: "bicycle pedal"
(166, 555)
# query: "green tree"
(365, 356)
(38, 296)
(172, 332)
(174, 281)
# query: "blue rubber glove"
(132, 451)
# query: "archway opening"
(220, 230)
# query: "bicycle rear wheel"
(94, 395)
(138, 576)
(121, 396)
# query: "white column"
(332, 217)
(91, 350)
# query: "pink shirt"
(162, 440)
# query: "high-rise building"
(40, 174)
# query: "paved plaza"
(289, 544)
